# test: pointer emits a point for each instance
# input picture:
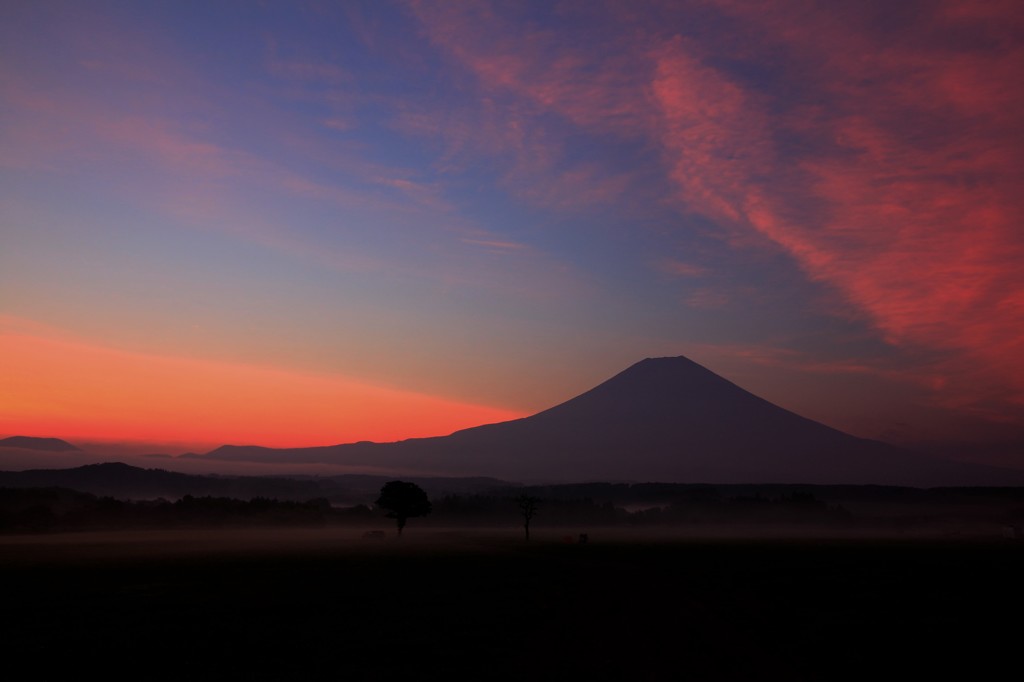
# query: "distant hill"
(663, 419)
(123, 481)
(31, 443)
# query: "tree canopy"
(403, 500)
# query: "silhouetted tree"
(527, 507)
(403, 501)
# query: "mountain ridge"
(125, 481)
(36, 443)
(661, 419)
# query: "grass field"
(327, 604)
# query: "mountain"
(31, 443)
(663, 419)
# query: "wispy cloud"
(496, 246)
(678, 268)
(912, 210)
(535, 66)
(706, 299)
(891, 172)
(863, 155)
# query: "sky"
(306, 223)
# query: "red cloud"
(713, 138)
(914, 211)
(884, 157)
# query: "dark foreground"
(296, 605)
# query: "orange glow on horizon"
(66, 389)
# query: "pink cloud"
(713, 138)
(679, 268)
(526, 157)
(706, 299)
(581, 186)
(891, 174)
(915, 224)
(534, 65)
(494, 246)
(792, 360)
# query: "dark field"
(327, 604)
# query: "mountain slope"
(663, 419)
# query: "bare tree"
(527, 507)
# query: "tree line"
(61, 509)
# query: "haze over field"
(305, 224)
